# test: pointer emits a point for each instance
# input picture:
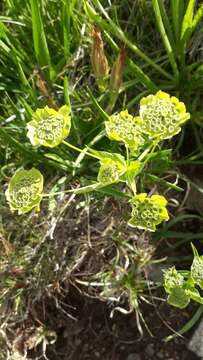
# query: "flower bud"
(98, 58)
(117, 72)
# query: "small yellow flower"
(162, 115)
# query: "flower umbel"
(174, 284)
(124, 127)
(25, 190)
(110, 171)
(172, 279)
(162, 115)
(148, 212)
(197, 270)
(49, 127)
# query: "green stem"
(150, 149)
(131, 184)
(80, 190)
(91, 143)
(79, 150)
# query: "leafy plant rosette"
(160, 117)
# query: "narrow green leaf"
(176, 17)
(163, 182)
(165, 39)
(197, 17)
(66, 91)
(166, 23)
(39, 38)
(188, 325)
(188, 18)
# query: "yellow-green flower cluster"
(25, 190)
(172, 279)
(110, 171)
(49, 127)
(162, 115)
(175, 285)
(125, 128)
(148, 212)
(197, 271)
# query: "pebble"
(196, 343)
(150, 350)
(160, 355)
(78, 342)
(133, 356)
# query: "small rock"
(150, 350)
(155, 272)
(78, 342)
(133, 356)
(196, 344)
(160, 355)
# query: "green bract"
(162, 115)
(49, 127)
(25, 190)
(147, 212)
(124, 127)
(178, 298)
(172, 279)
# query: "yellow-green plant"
(181, 285)
(160, 117)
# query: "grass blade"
(67, 10)
(176, 16)
(187, 326)
(197, 17)
(166, 23)
(39, 38)
(186, 29)
(165, 39)
(188, 18)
